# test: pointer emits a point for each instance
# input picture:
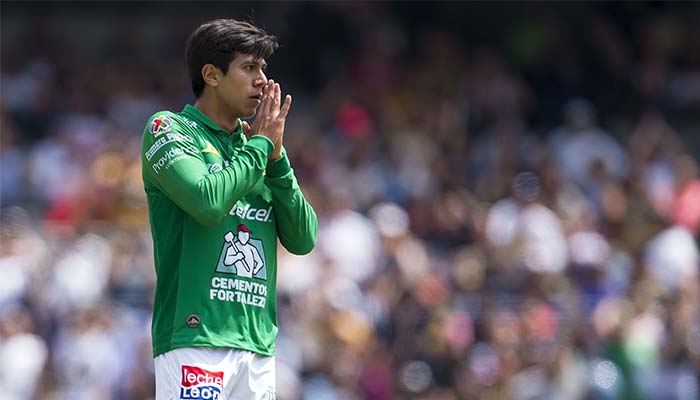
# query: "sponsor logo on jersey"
(242, 254)
(189, 122)
(211, 149)
(201, 384)
(160, 125)
(251, 213)
(169, 158)
(162, 141)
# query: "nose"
(260, 79)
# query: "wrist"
(278, 167)
(274, 156)
(263, 143)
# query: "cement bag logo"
(242, 254)
(200, 384)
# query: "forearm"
(208, 197)
(297, 223)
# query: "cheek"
(231, 97)
(229, 85)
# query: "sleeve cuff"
(262, 143)
(279, 167)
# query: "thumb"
(247, 129)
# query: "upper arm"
(174, 163)
(171, 157)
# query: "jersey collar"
(195, 113)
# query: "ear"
(210, 75)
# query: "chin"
(248, 113)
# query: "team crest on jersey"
(242, 255)
(201, 384)
(160, 125)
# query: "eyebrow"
(259, 61)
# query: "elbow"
(304, 248)
(207, 211)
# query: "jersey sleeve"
(173, 163)
(297, 223)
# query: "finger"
(270, 87)
(256, 122)
(260, 112)
(246, 129)
(258, 119)
(267, 97)
(277, 96)
(285, 107)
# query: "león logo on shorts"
(201, 384)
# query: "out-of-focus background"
(508, 197)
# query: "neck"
(213, 109)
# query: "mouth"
(255, 100)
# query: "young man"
(220, 193)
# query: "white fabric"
(205, 373)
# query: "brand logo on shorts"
(200, 384)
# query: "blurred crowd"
(505, 212)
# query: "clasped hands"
(270, 117)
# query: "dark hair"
(217, 42)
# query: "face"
(240, 89)
(243, 237)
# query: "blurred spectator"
(583, 151)
(24, 354)
(524, 230)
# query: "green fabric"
(202, 185)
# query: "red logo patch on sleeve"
(160, 125)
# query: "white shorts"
(205, 373)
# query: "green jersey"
(216, 209)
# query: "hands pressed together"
(270, 117)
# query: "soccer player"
(220, 194)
